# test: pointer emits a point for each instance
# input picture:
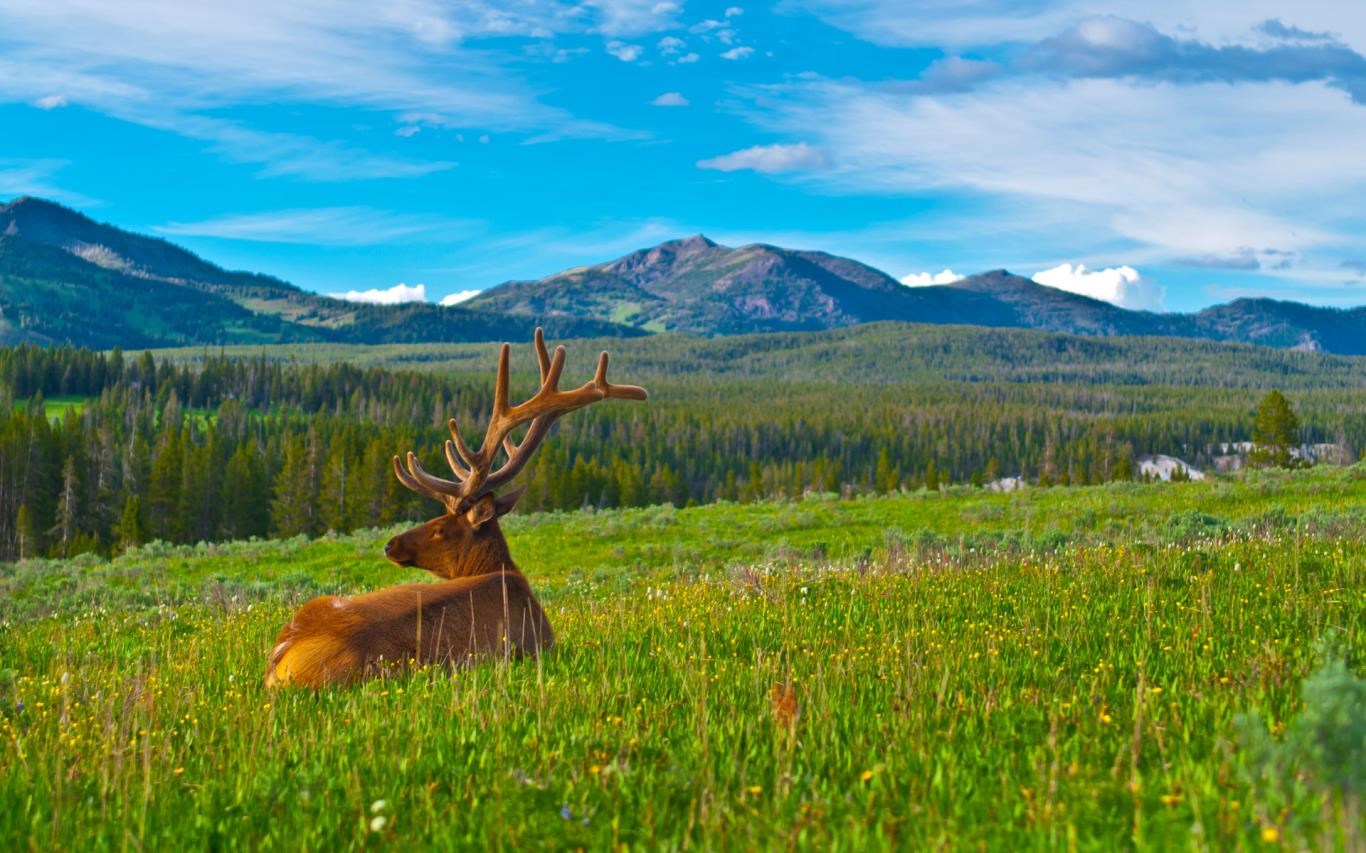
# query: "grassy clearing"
(1056, 668)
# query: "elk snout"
(397, 552)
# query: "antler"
(472, 468)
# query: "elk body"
(484, 605)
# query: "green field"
(1053, 668)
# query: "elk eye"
(437, 537)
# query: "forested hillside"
(65, 278)
(59, 270)
(101, 451)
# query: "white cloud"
(743, 52)
(51, 102)
(670, 99)
(925, 279)
(1122, 286)
(624, 52)
(688, 58)
(768, 159)
(179, 67)
(35, 178)
(459, 296)
(395, 295)
(326, 226)
(670, 46)
(734, 11)
(1183, 170)
(957, 24)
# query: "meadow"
(1092, 667)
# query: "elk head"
(466, 540)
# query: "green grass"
(56, 407)
(1055, 668)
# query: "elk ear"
(504, 505)
(481, 511)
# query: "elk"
(483, 606)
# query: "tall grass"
(1064, 668)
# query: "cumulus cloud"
(768, 159)
(395, 295)
(670, 99)
(742, 52)
(1122, 286)
(459, 296)
(734, 11)
(623, 51)
(925, 279)
(51, 102)
(688, 58)
(670, 46)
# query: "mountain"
(699, 287)
(66, 278)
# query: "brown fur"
(484, 608)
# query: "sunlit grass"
(1054, 669)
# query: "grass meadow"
(1092, 668)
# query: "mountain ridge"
(696, 286)
(58, 265)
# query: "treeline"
(101, 451)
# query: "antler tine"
(417, 485)
(466, 455)
(616, 392)
(473, 469)
(500, 388)
(542, 357)
(445, 488)
(461, 473)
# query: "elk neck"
(487, 553)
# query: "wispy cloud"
(1187, 170)
(1112, 46)
(37, 178)
(166, 64)
(1242, 260)
(329, 226)
(670, 99)
(768, 159)
(742, 52)
(947, 24)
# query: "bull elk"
(484, 604)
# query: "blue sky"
(1183, 153)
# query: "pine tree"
(1274, 433)
(26, 535)
(295, 508)
(244, 509)
(131, 530)
(68, 508)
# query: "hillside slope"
(65, 278)
(696, 286)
